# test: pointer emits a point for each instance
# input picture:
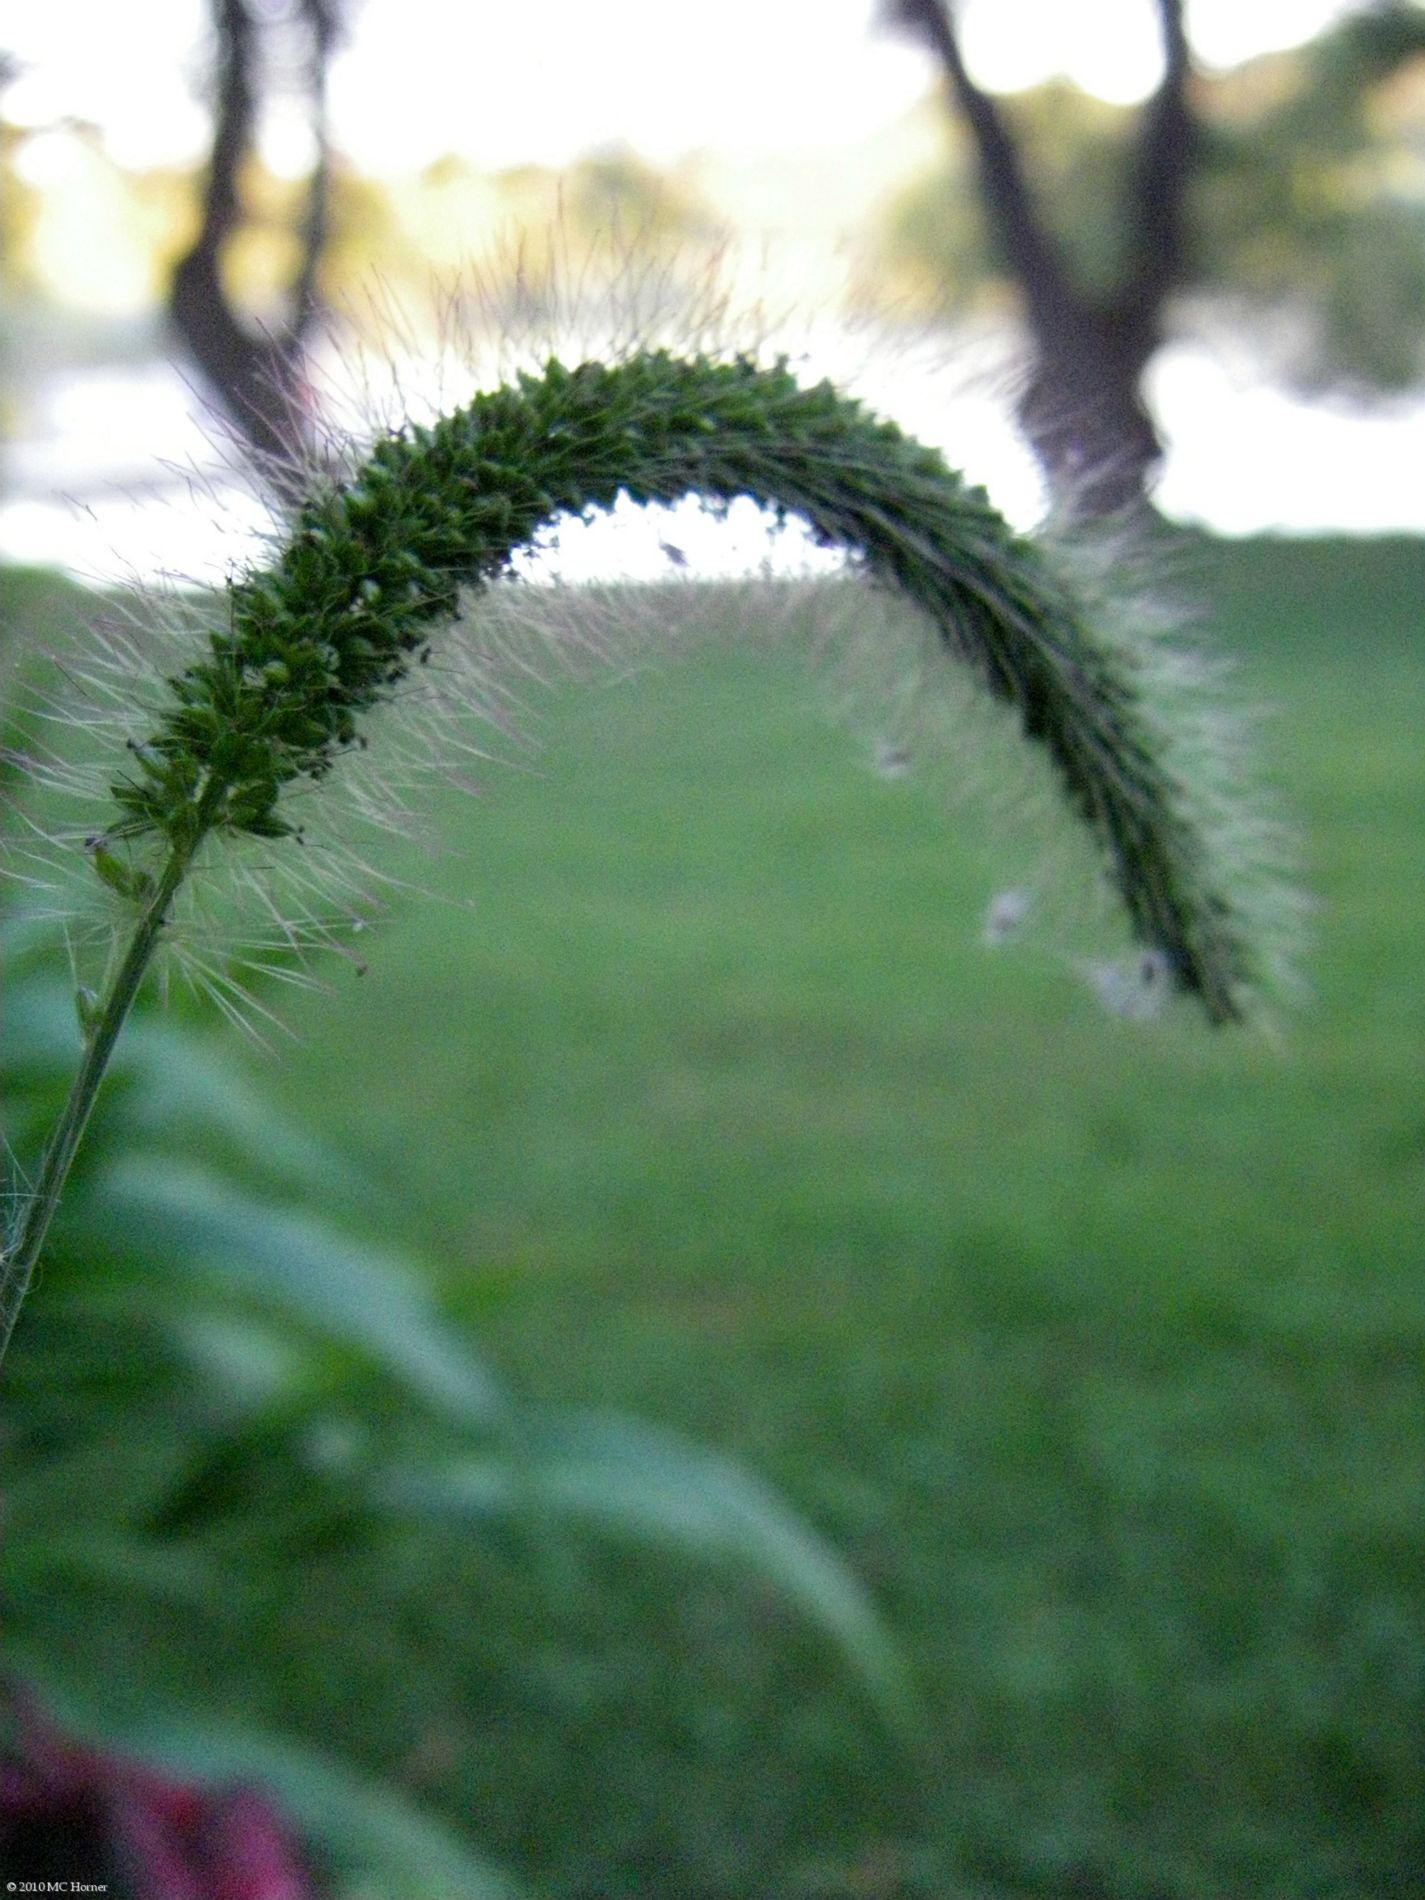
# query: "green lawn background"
(1096, 1346)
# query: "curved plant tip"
(374, 566)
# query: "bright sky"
(547, 79)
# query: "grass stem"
(38, 1209)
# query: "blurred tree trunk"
(256, 375)
(1081, 405)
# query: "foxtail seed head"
(374, 565)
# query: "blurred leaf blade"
(629, 1479)
(176, 1083)
(177, 1217)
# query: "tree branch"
(256, 376)
(1032, 254)
(1156, 250)
(1080, 404)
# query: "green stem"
(18, 1263)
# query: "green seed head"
(312, 645)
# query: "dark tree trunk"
(1081, 406)
(257, 376)
(1081, 411)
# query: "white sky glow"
(544, 81)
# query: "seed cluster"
(374, 566)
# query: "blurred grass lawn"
(1097, 1346)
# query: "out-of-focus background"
(698, 1375)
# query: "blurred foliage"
(269, 1516)
(1306, 211)
(937, 248)
(614, 191)
(403, 232)
(1310, 202)
(182, 1315)
(220, 1410)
